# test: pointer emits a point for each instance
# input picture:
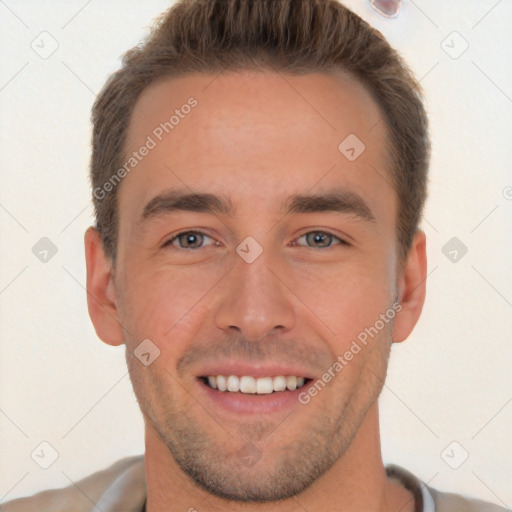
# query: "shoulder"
(450, 502)
(433, 500)
(84, 494)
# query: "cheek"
(163, 301)
(345, 298)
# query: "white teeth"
(247, 384)
(221, 382)
(251, 385)
(264, 386)
(291, 382)
(279, 383)
(233, 383)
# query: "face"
(283, 258)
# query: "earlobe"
(101, 295)
(411, 288)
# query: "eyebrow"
(337, 201)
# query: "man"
(258, 172)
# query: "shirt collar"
(423, 501)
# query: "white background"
(449, 382)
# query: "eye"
(320, 239)
(188, 240)
(194, 240)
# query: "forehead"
(256, 136)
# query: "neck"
(357, 481)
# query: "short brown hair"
(291, 36)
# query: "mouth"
(248, 385)
(246, 395)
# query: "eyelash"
(176, 237)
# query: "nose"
(255, 300)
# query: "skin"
(258, 137)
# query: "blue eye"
(188, 240)
(314, 239)
(321, 239)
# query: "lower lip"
(241, 403)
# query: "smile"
(254, 385)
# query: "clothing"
(122, 488)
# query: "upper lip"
(240, 368)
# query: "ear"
(101, 296)
(411, 288)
